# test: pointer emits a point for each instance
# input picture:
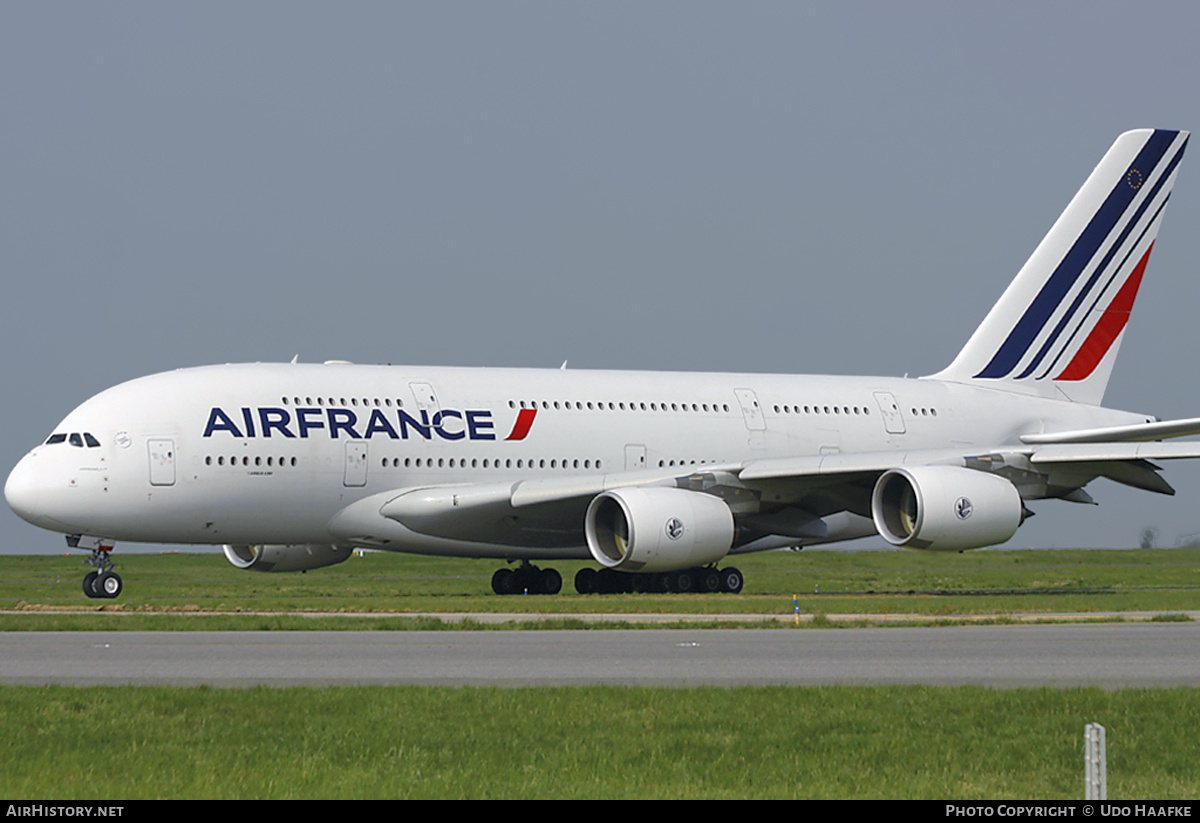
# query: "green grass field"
(600, 742)
(921, 585)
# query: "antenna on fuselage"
(295, 359)
(563, 366)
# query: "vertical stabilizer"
(1056, 330)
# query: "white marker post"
(1095, 763)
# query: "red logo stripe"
(1108, 328)
(523, 425)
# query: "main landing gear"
(104, 583)
(528, 579)
(700, 579)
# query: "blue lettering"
(249, 421)
(306, 424)
(478, 426)
(379, 423)
(277, 419)
(218, 421)
(406, 421)
(474, 424)
(342, 420)
(441, 416)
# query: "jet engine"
(945, 508)
(657, 529)
(278, 558)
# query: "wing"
(776, 502)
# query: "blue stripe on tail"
(1071, 268)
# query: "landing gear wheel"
(709, 580)
(500, 581)
(682, 582)
(527, 579)
(94, 583)
(108, 585)
(611, 582)
(731, 580)
(585, 581)
(551, 582)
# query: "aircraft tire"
(731, 580)
(550, 582)
(585, 581)
(108, 585)
(526, 580)
(682, 582)
(89, 582)
(710, 580)
(606, 582)
(501, 581)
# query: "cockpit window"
(75, 439)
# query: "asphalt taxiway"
(1107, 655)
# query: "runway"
(1108, 655)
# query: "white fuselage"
(270, 453)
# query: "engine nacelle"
(945, 508)
(657, 529)
(278, 558)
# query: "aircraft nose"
(22, 491)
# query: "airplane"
(656, 476)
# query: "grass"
(595, 742)
(914, 584)
(598, 742)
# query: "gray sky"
(779, 187)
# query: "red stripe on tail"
(1108, 328)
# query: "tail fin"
(1055, 331)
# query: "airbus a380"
(658, 476)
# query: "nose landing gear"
(104, 583)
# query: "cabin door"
(751, 411)
(162, 461)
(356, 463)
(635, 457)
(893, 420)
